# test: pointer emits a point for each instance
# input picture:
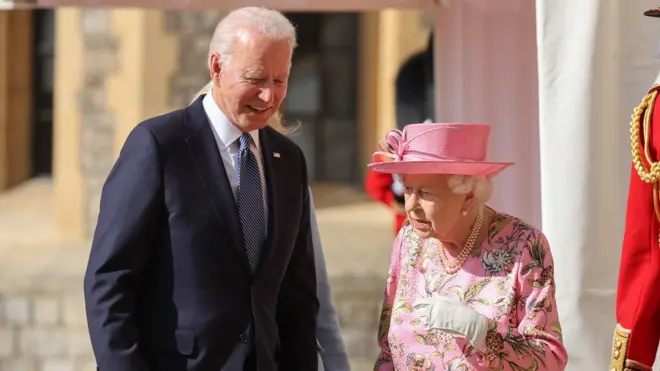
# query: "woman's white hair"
(482, 187)
(270, 23)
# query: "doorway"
(322, 94)
(42, 104)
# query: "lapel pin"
(276, 155)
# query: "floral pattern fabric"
(509, 279)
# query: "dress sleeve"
(384, 360)
(536, 342)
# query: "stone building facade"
(114, 68)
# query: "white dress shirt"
(226, 136)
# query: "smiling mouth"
(258, 109)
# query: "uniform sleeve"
(637, 333)
(378, 186)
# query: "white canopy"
(558, 80)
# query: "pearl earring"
(464, 212)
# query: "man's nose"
(266, 94)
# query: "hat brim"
(439, 167)
(653, 13)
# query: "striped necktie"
(251, 213)
(250, 202)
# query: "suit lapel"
(273, 164)
(211, 170)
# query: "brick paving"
(42, 323)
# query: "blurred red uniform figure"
(637, 332)
(380, 187)
(414, 103)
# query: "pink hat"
(437, 149)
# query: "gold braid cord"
(649, 172)
(618, 362)
(640, 132)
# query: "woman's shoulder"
(513, 242)
(506, 230)
(407, 241)
(406, 234)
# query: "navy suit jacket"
(168, 285)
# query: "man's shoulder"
(165, 125)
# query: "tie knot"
(245, 141)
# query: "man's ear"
(214, 66)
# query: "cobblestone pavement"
(42, 320)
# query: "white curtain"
(487, 62)
(596, 61)
(568, 134)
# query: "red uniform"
(637, 333)
(379, 187)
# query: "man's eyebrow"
(252, 73)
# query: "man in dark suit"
(202, 258)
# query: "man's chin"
(251, 123)
(258, 124)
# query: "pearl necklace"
(451, 267)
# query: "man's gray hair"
(268, 22)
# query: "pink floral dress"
(509, 279)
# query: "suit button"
(243, 338)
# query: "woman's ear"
(468, 203)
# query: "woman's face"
(433, 209)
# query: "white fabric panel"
(596, 61)
(487, 62)
(488, 74)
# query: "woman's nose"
(411, 200)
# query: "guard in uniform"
(414, 104)
(637, 332)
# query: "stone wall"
(42, 318)
(98, 122)
(44, 332)
(43, 324)
(193, 31)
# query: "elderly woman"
(469, 288)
